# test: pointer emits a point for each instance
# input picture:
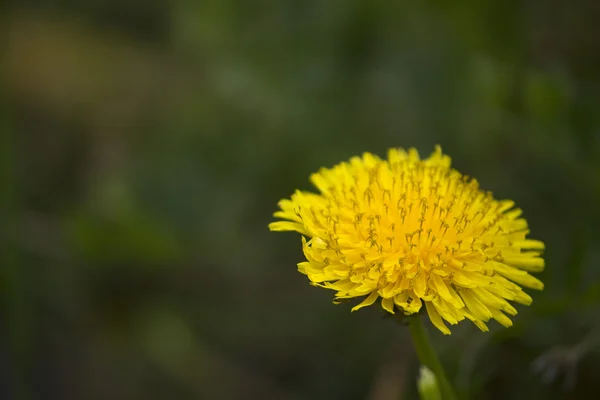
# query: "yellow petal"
(475, 305)
(447, 311)
(340, 270)
(344, 286)
(461, 279)
(531, 264)
(292, 216)
(478, 323)
(319, 278)
(488, 298)
(501, 318)
(505, 205)
(481, 325)
(501, 291)
(367, 301)
(516, 225)
(523, 298)
(414, 305)
(456, 301)
(440, 286)
(320, 182)
(281, 226)
(366, 287)
(388, 305)
(492, 300)
(524, 280)
(390, 261)
(516, 213)
(408, 302)
(420, 284)
(388, 291)
(436, 319)
(530, 244)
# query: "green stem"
(428, 356)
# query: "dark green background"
(145, 145)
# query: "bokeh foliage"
(145, 145)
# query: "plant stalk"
(428, 356)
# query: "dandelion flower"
(412, 234)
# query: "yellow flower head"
(414, 232)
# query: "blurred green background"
(145, 144)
